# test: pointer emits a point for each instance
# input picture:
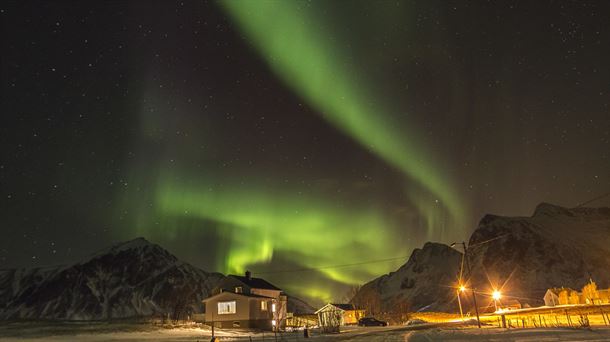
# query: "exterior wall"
(255, 309)
(564, 297)
(248, 313)
(604, 296)
(352, 316)
(242, 308)
(589, 293)
(330, 318)
(550, 298)
(575, 297)
(266, 293)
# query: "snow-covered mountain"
(522, 256)
(132, 279)
(135, 278)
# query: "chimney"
(248, 275)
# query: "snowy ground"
(521, 335)
(95, 332)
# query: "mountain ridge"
(135, 278)
(522, 256)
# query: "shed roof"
(335, 306)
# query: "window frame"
(231, 305)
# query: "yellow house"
(566, 296)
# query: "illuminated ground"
(134, 332)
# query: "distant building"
(551, 297)
(332, 315)
(246, 302)
(566, 296)
(510, 304)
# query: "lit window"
(225, 308)
(263, 306)
(238, 289)
(273, 307)
(273, 322)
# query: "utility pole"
(460, 303)
(474, 296)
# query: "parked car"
(371, 322)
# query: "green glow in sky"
(254, 217)
(293, 40)
(304, 230)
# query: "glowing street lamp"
(462, 288)
(496, 295)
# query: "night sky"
(287, 135)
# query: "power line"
(306, 269)
(309, 269)
(486, 241)
(593, 200)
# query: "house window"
(239, 289)
(225, 308)
(263, 306)
(273, 307)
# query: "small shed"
(331, 316)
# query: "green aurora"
(304, 57)
(258, 223)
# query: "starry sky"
(284, 137)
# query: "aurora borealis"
(284, 137)
(310, 63)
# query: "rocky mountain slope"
(423, 282)
(554, 247)
(135, 278)
(522, 256)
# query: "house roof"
(554, 291)
(557, 290)
(342, 307)
(250, 295)
(255, 283)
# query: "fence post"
(603, 315)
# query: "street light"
(496, 295)
(474, 297)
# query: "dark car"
(371, 322)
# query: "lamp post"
(474, 296)
(460, 289)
